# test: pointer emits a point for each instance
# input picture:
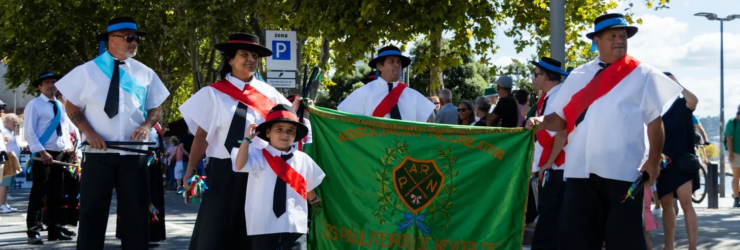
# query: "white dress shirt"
(260, 192)
(37, 117)
(86, 87)
(550, 98)
(212, 111)
(12, 145)
(611, 141)
(412, 105)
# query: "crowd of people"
(247, 138)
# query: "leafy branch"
(445, 205)
(387, 201)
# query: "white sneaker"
(11, 208)
(4, 209)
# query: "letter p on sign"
(281, 50)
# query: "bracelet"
(315, 198)
(246, 139)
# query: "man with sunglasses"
(115, 101)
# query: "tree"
(712, 151)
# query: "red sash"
(301, 142)
(285, 172)
(250, 96)
(596, 88)
(539, 104)
(159, 129)
(389, 101)
(547, 142)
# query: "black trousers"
(47, 191)
(593, 214)
(550, 205)
(128, 174)
(220, 223)
(281, 241)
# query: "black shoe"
(737, 202)
(35, 240)
(58, 236)
(67, 232)
(153, 244)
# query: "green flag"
(405, 185)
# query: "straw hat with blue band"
(610, 21)
(45, 75)
(389, 51)
(551, 65)
(118, 24)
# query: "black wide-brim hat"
(550, 65)
(389, 51)
(246, 42)
(120, 24)
(45, 75)
(282, 113)
(370, 77)
(611, 21)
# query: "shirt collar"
(553, 89)
(383, 83)
(274, 152)
(237, 82)
(46, 99)
(126, 62)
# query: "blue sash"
(126, 82)
(49, 130)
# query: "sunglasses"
(461, 110)
(130, 38)
(435, 103)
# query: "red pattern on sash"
(301, 142)
(547, 142)
(539, 104)
(285, 172)
(159, 129)
(596, 88)
(389, 101)
(249, 96)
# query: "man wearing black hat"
(386, 96)
(115, 101)
(218, 115)
(47, 133)
(607, 106)
(549, 157)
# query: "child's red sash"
(547, 142)
(389, 101)
(285, 172)
(596, 88)
(250, 96)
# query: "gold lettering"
(341, 138)
(408, 242)
(402, 181)
(431, 185)
(462, 139)
(383, 236)
(456, 138)
(413, 168)
(424, 168)
(394, 239)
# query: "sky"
(677, 41)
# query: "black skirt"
(671, 178)
(221, 223)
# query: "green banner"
(406, 185)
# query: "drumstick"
(57, 162)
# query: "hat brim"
(104, 36)
(37, 82)
(261, 51)
(405, 61)
(631, 31)
(561, 72)
(302, 130)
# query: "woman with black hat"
(218, 116)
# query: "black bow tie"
(287, 156)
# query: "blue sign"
(280, 50)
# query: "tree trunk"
(257, 27)
(436, 68)
(323, 62)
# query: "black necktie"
(395, 114)
(281, 191)
(59, 126)
(583, 115)
(236, 130)
(111, 101)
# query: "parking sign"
(283, 46)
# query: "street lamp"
(713, 17)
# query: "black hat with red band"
(282, 113)
(246, 42)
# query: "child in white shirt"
(281, 182)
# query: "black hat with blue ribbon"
(610, 21)
(45, 75)
(389, 51)
(118, 24)
(551, 65)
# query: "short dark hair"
(225, 67)
(521, 96)
(549, 75)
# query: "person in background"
(700, 130)
(675, 181)
(522, 97)
(179, 158)
(435, 100)
(482, 105)
(506, 113)
(492, 95)
(447, 113)
(171, 162)
(732, 137)
(465, 115)
(10, 122)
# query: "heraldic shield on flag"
(394, 184)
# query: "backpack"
(734, 126)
